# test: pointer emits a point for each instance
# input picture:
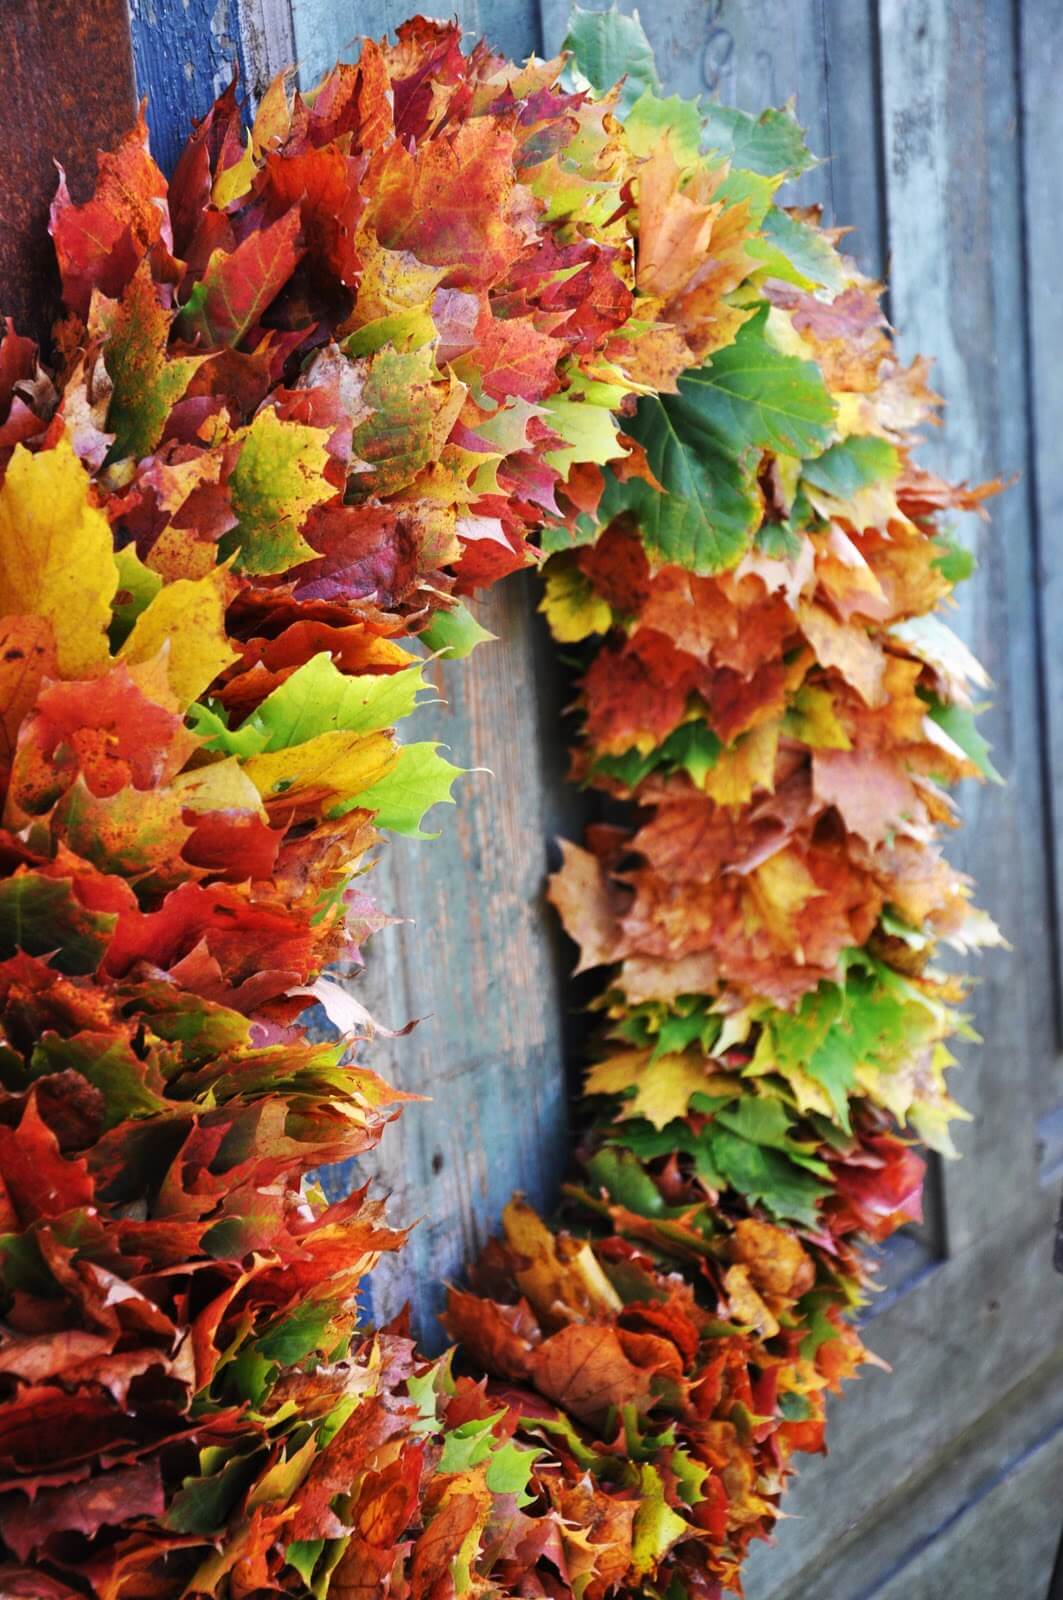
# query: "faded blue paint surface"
(184, 52)
(328, 33)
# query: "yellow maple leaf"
(221, 786)
(336, 764)
(848, 648)
(663, 1088)
(747, 766)
(562, 1274)
(56, 555)
(571, 606)
(780, 888)
(188, 619)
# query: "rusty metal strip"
(68, 81)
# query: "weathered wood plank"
(855, 195)
(184, 55)
(268, 38)
(953, 191)
(479, 965)
(68, 82)
(909, 1520)
(1004, 1543)
(1040, 75)
(326, 31)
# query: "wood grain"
(325, 33)
(479, 963)
(184, 55)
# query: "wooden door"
(940, 123)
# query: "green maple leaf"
(954, 561)
(751, 395)
(109, 1065)
(706, 518)
(772, 144)
(43, 917)
(278, 479)
(797, 252)
(960, 725)
(692, 748)
(656, 1526)
(145, 384)
(762, 1175)
(605, 46)
(203, 1503)
(316, 699)
(420, 779)
(455, 633)
(298, 1334)
(703, 444)
(509, 1471)
(468, 1444)
(620, 1173)
(851, 465)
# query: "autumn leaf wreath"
(439, 319)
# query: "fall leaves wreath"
(437, 320)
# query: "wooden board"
(480, 964)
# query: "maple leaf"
(658, 1089)
(100, 244)
(571, 606)
(452, 203)
(27, 655)
(55, 554)
(186, 622)
(145, 384)
(752, 395)
(278, 479)
(239, 286)
(136, 836)
(584, 1368)
(693, 252)
(607, 47)
(44, 916)
(317, 698)
(420, 778)
(581, 895)
(406, 415)
(329, 770)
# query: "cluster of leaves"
(387, 345)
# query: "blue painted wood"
(184, 53)
(325, 33)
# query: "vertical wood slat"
(329, 32)
(184, 54)
(480, 966)
(1040, 76)
(953, 194)
(68, 91)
